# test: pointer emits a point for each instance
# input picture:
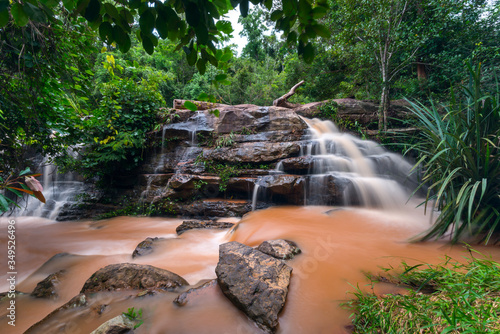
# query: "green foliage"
(329, 111)
(15, 186)
(453, 297)
(460, 155)
(133, 209)
(115, 133)
(135, 316)
(197, 27)
(225, 140)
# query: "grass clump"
(452, 297)
(460, 156)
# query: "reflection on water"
(338, 247)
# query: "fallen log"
(282, 101)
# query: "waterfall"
(60, 191)
(360, 172)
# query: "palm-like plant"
(460, 155)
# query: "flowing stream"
(338, 244)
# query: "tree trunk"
(384, 107)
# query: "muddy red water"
(338, 247)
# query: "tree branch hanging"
(282, 101)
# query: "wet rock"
(241, 184)
(254, 282)
(117, 325)
(284, 188)
(145, 247)
(132, 276)
(297, 165)
(201, 224)
(78, 301)
(257, 152)
(364, 112)
(215, 208)
(185, 185)
(48, 287)
(280, 249)
(184, 297)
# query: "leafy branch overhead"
(198, 26)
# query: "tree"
(196, 25)
(382, 27)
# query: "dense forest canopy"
(96, 76)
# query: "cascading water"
(360, 171)
(60, 192)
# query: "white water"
(59, 190)
(365, 173)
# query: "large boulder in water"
(254, 282)
(280, 249)
(132, 276)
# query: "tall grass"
(460, 157)
(449, 298)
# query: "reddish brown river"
(338, 247)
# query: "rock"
(200, 224)
(216, 207)
(364, 112)
(256, 152)
(132, 276)
(184, 185)
(47, 287)
(145, 247)
(280, 249)
(284, 188)
(254, 282)
(184, 297)
(117, 325)
(297, 165)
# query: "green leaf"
(69, 4)
(224, 26)
(26, 171)
(147, 44)
(215, 112)
(4, 18)
(203, 97)
(277, 14)
(4, 206)
(191, 55)
(19, 15)
(190, 105)
(201, 65)
(244, 8)
(106, 32)
(226, 56)
(4, 5)
(92, 11)
(112, 11)
(308, 53)
(220, 77)
(201, 34)
(321, 30)
(147, 21)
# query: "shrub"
(452, 297)
(461, 161)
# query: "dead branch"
(282, 101)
